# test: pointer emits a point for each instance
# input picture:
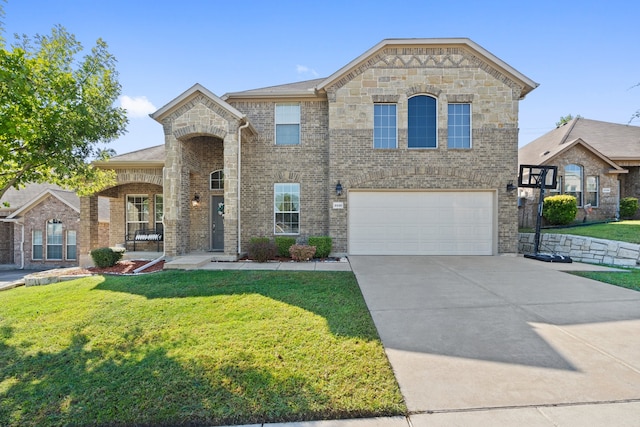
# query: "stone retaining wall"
(583, 249)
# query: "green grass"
(626, 279)
(623, 231)
(196, 348)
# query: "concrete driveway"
(505, 338)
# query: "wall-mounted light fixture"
(338, 189)
(195, 202)
(510, 186)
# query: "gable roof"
(146, 157)
(69, 198)
(18, 198)
(311, 88)
(609, 141)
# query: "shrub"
(628, 207)
(323, 245)
(283, 243)
(106, 257)
(261, 249)
(560, 210)
(302, 252)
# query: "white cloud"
(138, 106)
(303, 69)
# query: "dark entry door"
(217, 224)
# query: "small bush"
(283, 243)
(302, 252)
(262, 249)
(106, 257)
(323, 245)
(628, 207)
(560, 210)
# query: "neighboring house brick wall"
(6, 243)
(264, 164)
(488, 165)
(36, 219)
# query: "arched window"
(573, 182)
(217, 180)
(422, 122)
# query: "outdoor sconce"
(196, 200)
(338, 189)
(510, 186)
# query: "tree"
(55, 110)
(566, 119)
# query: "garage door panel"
(421, 223)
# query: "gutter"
(244, 126)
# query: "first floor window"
(137, 215)
(54, 239)
(286, 208)
(158, 210)
(37, 244)
(287, 124)
(459, 126)
(573, 182)
(592, 191)
(71, 245)
(384, 126)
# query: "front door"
(217, 223)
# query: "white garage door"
(421, 223)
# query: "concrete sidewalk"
(501, 341)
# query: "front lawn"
(626, 279)
(623, 231)
(192, 348)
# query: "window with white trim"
(593, 186)
(459, 126)
(54, 239)
(36, 244)
(158, 203)
(288, 124)
(286, 208)
(385, 129)
(71, 245)
(422, 126)
(573, 182)
(137, 215)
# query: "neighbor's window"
(384, 126)
(286, 208)
(37, 244)
(573, 182)
(71, 245)
(158, 211)
(459, 126)
(137, 213)
(54, 239)
(592, 190)
(216, 180)
(422, 123)
(287, 124)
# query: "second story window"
(423, 122)
(459, 126)
(287, 124)
(384, 126)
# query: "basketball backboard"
(531, 176)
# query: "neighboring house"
(408, 149)
(39, 229)
(598, 163)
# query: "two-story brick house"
(408, 149)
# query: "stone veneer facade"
(204, 133)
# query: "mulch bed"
(121, 267)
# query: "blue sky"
(585, 54)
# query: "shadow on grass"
(81, 385)
(333, 295)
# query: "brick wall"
(6, 243)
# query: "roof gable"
(69, 198)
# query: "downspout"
(244, 126)
(21, 224)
